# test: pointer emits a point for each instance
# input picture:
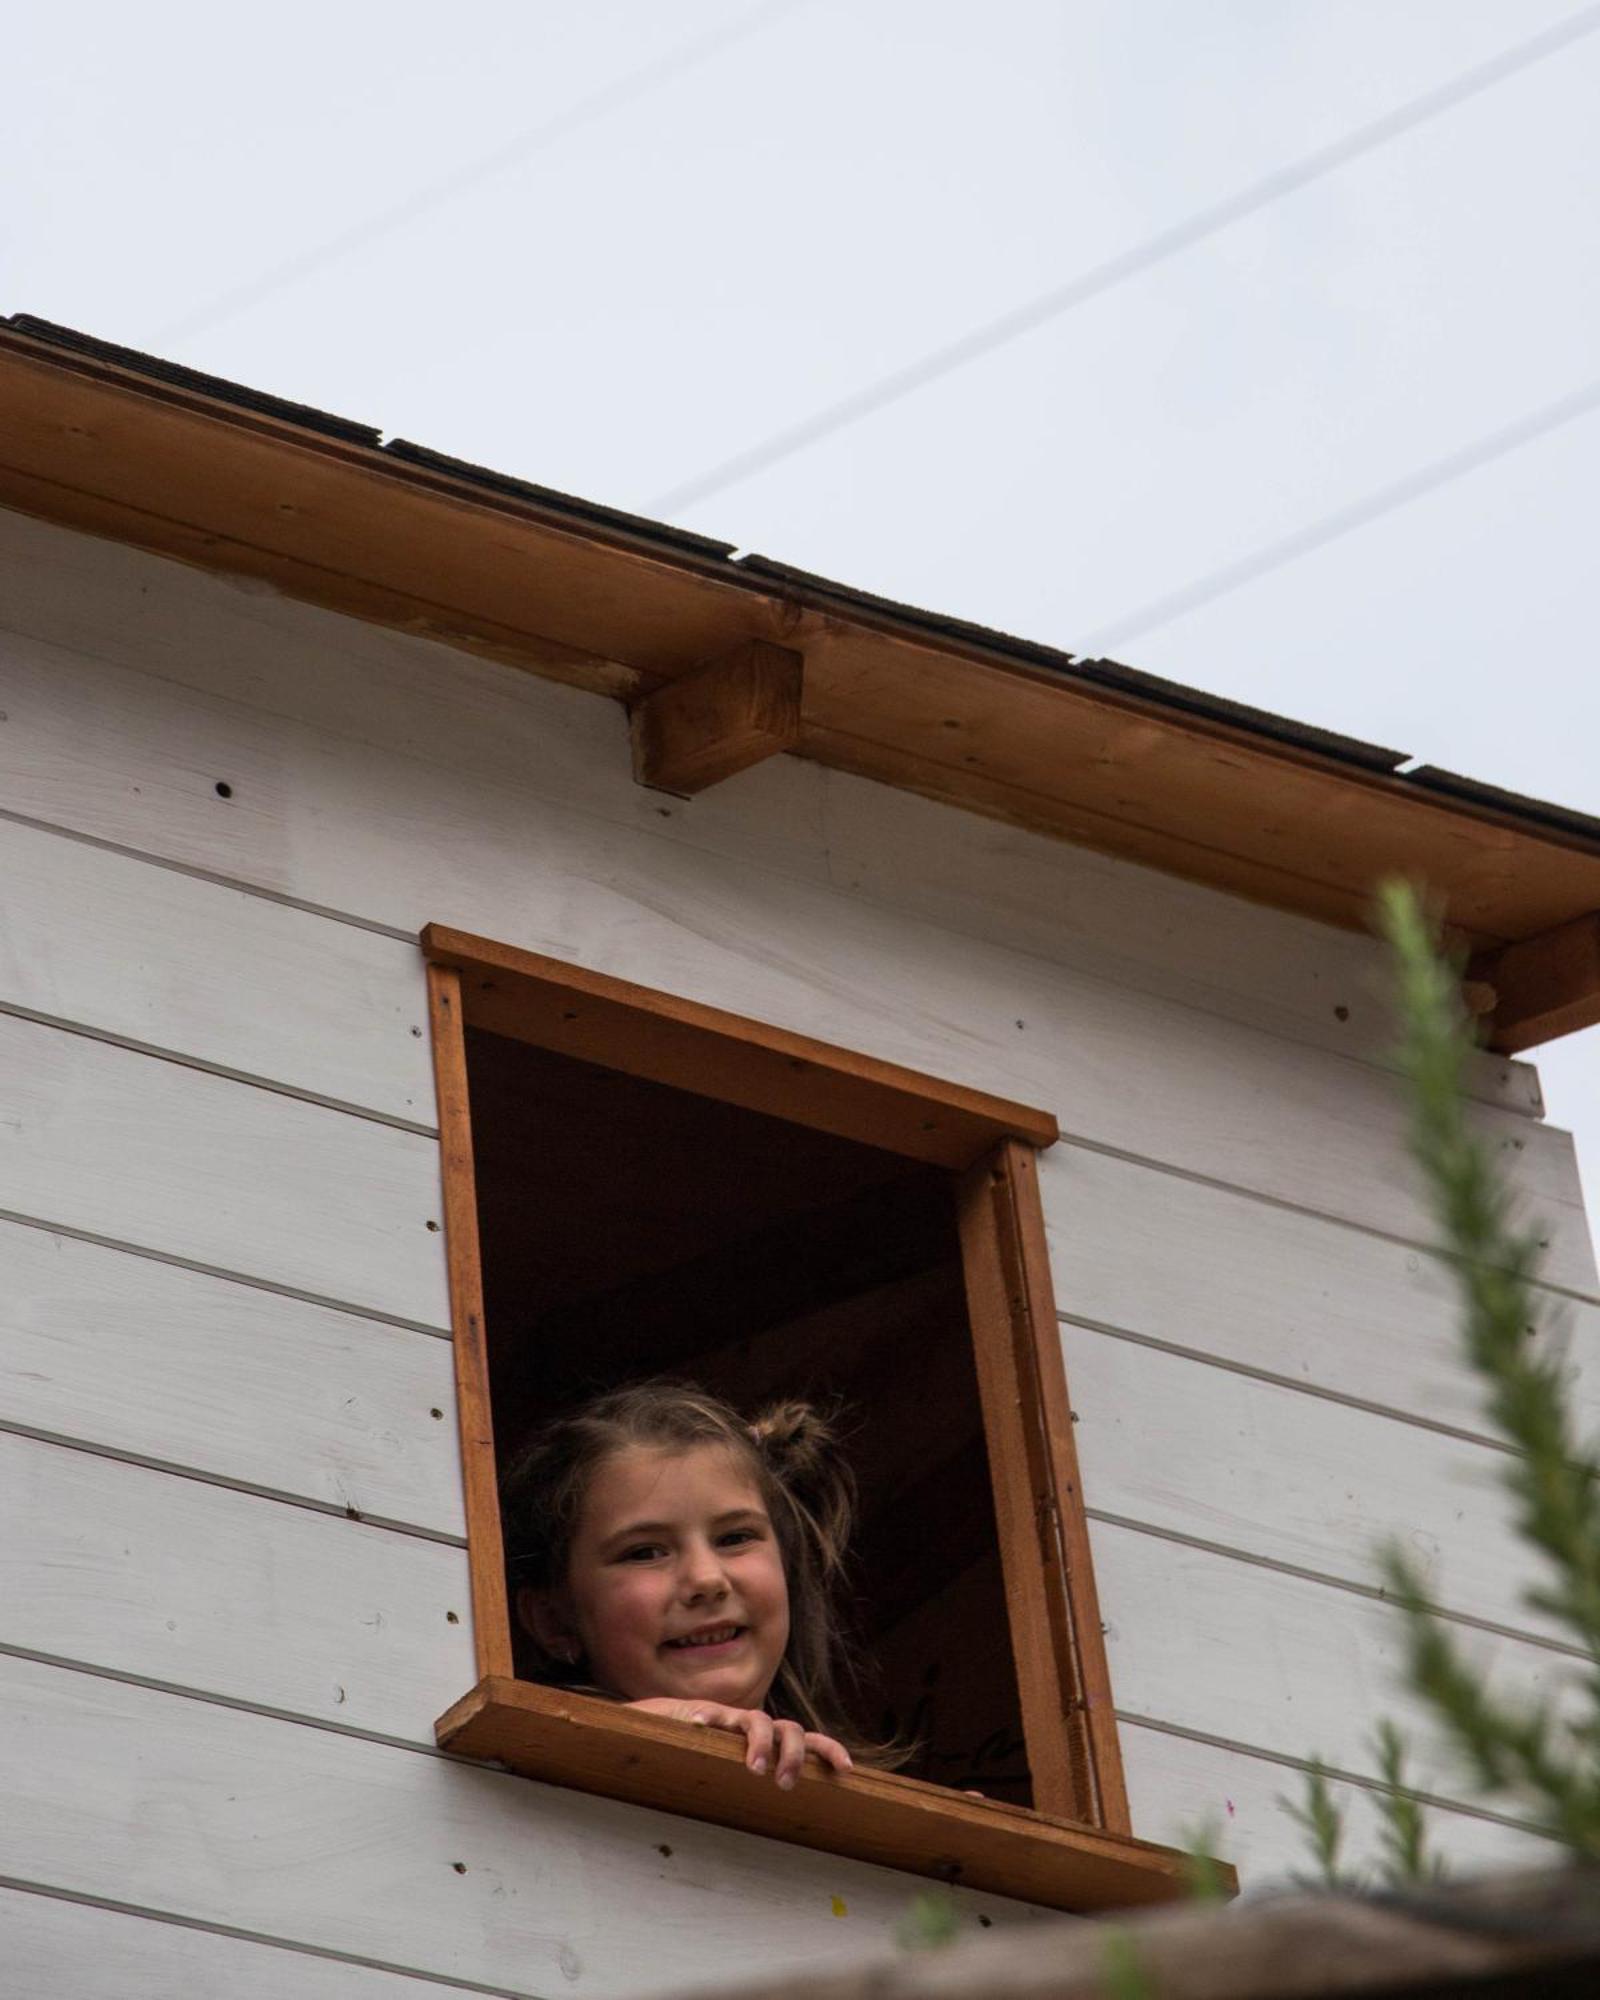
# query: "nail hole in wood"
(436, 1413)
(432, 1224)
(223, 789)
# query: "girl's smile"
(676, 1584)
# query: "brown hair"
(792, 1448)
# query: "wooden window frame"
(1073, 1849)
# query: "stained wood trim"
(924, 704)
(595, 1018)
(1543, 987)
(491, 1621)
(1063, 1677)
(603, 1747)
(718, 719)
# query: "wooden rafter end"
(1542, 987)
(718, 719)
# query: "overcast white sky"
(682, 256)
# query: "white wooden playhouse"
(434, 907)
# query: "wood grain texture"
(870, 1815)
(340, 522)
(52, 1946)
(388, 839)
(1226, 1649)
(1179, 1785)
(1263, 1287)
(152, 1153)
(349, 1845)
(1544, 986)
(417, 699)
(719, 719)
(671, 1039)
(1062, 1679)
(491, 1618)
(1295, 1479)
(177, 1580)
(150, 1359)
(146, 953)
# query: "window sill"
(598, 1746)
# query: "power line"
(1345, 520)
(1102, 278)
(599, 104)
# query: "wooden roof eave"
(395, 535)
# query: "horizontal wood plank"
(146, 953)
(53, 1946)
(149, 1152)
(1296, 1479)
(1207, 1644)
(876, 1816)
(1264, 1287)
(1123, 1069)
(139, 1572)
(1181, 1787)
(412, 697)
(147, 1358)
(419, 1861)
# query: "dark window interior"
(630, 1228)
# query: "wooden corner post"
(491, 1620)
(1063, 1677)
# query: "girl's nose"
(703, 1574)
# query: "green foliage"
(1522, 1756)
(933, 1920)
(1322, 1824)
(1122, 1976)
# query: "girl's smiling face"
(676, 1583)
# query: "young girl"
(676, 1558)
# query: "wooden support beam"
(718, 718)
(1543, 986)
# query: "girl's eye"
(641, 1552)
(736, 1535)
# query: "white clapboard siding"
(1181, 1791)
(56, 1949)
(158, 957)
(399, 842)
(1273, 1662)
(419, 1861)
(241, 639)
(1178, 1444)
(235, 638)
(163, 1363)
(128, 1146)
(1289, 1294)
(140, 1572)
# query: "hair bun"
(801, 1448)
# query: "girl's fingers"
(791, 1752)
(828, 1752)
(758, 1732)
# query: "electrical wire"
(1373, 506)
(1102, 278)
(599, 104)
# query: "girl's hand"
(781, 1747)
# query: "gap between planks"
(174, 1469)
(1298, 1387)
(1075, 1141)
(1125, 1720)
(62, 1025)
(1374, 1593)
(220, 1271)
(148, 1913)
(1456, 1807)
